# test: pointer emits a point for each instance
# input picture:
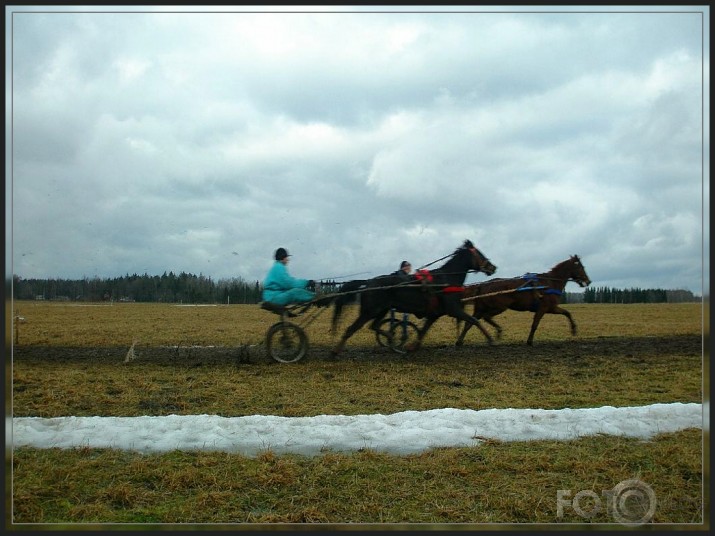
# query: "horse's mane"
(467, 245)
(449, 263)
(571, 259)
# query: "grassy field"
(69, 359)
(89, 325)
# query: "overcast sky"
(153, 141)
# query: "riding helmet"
(281, 253)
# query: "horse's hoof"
(411, 347)
(459, 343)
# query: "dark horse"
(538, 293)
(427, 295)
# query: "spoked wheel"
(286, 342)
(401, 334)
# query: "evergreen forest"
(190, 288)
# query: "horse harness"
(531, 281)
(426, 280)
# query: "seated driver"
(281, 288)
(404, 272)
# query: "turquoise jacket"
(279, 284)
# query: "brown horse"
(538, 293)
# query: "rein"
(447, 289)
(332, 278)
(434, 262)
(509, 291)
(421, 268)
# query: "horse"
(538, 293)
(427, 294)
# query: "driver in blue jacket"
(281, 288)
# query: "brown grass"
(497, 483)
(84, 325)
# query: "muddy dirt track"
(634, 349)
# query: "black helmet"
(281, 254)
(404, 263)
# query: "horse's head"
(480, 263)
(577, 272)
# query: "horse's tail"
(346, 294)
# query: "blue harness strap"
(555, 291)
(531, 280)
(535, 303)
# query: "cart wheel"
(286, 342)
(401, 333)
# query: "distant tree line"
(189, 288)
(169, 287)
(637, 295)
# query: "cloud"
(168, 140)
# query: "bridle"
(483, 262)
(582, 280)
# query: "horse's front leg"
(490, 320)
(375, 326)
(560, 311)
(349, 332)
(460, 338)
(466, 328)
(460, 314)
(538, 315)
(421, 332)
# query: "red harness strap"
(449, 290)
(424, 275)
